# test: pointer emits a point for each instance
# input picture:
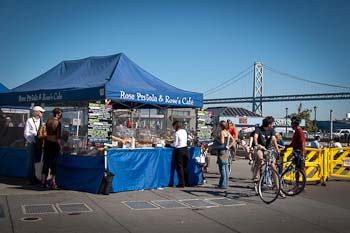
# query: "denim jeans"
(223, 168)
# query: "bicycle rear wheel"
(267, 186)
(229, 164)
(293, 181)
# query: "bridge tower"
(258, 88)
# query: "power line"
(230, 81)
(303, 79)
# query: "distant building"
(326, 125)
(246, 120)
(241, 117)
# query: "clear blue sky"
(193, 45)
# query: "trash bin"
(106, 184)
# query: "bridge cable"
(234, 79)
(303, 79)
(229, 83)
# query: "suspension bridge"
(258, 98)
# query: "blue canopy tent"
(3, 88)
(113, 77)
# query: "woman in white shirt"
(181, 154)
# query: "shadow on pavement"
(20, 184)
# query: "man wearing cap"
(31, 130)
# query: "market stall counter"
(80, 173)
(13, 162)
(133, 169)
(149, 168)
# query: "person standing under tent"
(52, 147)
(31, 129)
(181, 154)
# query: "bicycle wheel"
(267, 186)
(293, 181)
(256, 183)
(229, 164)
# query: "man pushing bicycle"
(298, 141)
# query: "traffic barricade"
(314, 164)
(338, 162)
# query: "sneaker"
(250, 162)
(290, 192)
(282, 195)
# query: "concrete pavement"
(191, 209)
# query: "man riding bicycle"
(264, 138)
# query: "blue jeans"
(223, 168)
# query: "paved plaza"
(30, 209)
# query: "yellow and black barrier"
(339, 162)
(320, 164)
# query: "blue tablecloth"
(13, 162)
(80, 173)
(139, 169)
(134, 169)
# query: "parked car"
(342, 133)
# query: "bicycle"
(293, 179)
(267, 187)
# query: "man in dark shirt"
(264, 138)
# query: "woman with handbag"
(224, 140)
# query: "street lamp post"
(315, 109)
(286, 120)
(331, 122)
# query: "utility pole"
(315, 125)
(286, 120)
(331, 122)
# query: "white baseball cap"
(38, 109)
